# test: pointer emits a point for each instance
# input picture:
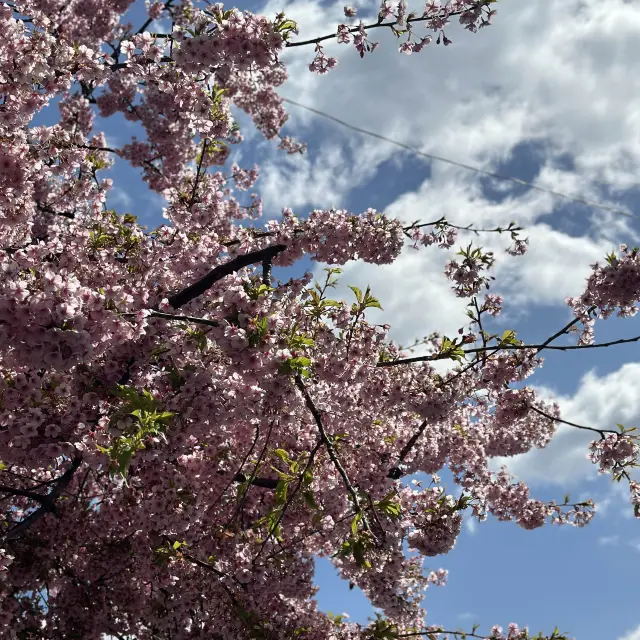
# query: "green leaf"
(357, 292)
(310, 500)
(373, 302)
(392, 509)
(282, 454)
(509, 337)
(281, 491)
(355, 522)
(460, 430)
(359, 554)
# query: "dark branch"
(329, 446)
(198, 288)
(572, 424)
(266, 271)
(376, 25)
(149, 20)
(38, 497)
(443, 221)
(265, 483)
(171, 316)
(47, 502)
(507, 347)
(397, 472)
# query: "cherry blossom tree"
(181, 433)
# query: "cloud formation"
(632, 635)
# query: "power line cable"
(490, 174)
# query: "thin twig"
(292, 495)
(571, 424)
(149, 20)
(376, 25)
(508, 347)
(327, 442)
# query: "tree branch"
(419, 225)
(38, 497)
(376, 25)
(206, 282)
(147, 22)
(171, 316)
(49, 506)
(572, 424)
(265, 483)
(396, 472)
(329, 445)
(407, 448)
(266, 271)
(509, 347)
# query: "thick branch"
(265, 483)
(198, 288)
(266, 271)
(396, 472)
(49, 506)
(38, 497)
(171, 316)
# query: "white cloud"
(413, 292)
(609, 541)
(467, 615)
(555, 267)
(631, 635)
(303, 181)
(603, 504)
(486, 93)
(119, 198)
(475, 102)
(418, 299)
(635, 544)
(471, 525)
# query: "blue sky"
(549, 94)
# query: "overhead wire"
(490, 174)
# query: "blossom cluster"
(613, 450)
(614, 286)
